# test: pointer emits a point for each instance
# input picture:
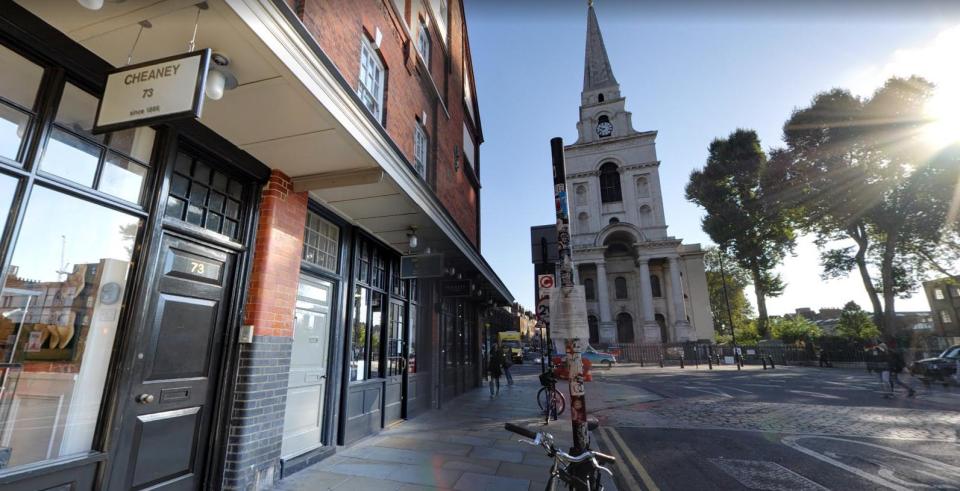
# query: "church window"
(599, 97)
(370, 87)
(655, 286)
(581, 194)
(620, 287)
(643, 189)
(610, 183)
(594, 327)
(588, 289)
(624, 328)
(614, 221)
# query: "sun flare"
(944, 110)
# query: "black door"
(166, 412)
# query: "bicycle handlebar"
(520, 431)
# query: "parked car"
(941, 368)
(599, 357)
(531, 356)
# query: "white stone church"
(642, 285)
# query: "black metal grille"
(205, 197)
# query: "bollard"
(696, 358)
(681, 361)
(710, 362)
(772, 366)
(661, 360)
(764, 360)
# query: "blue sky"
(693, 71)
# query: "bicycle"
(551, 401)
(581, 472)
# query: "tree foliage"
(794, 329)
(741, 216)
(856, 324)
(737, 280)
(861, 169)
(747, 335)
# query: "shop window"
(620, 287)
(397, 286)
(377, 313)
(370, 87)
(610, 183)
(63, 295)
(19, 82)
(655, 289)
(115, 164)
(202, 196)
(412, 343)
(358, 335)
(624, 328)
(395, 340)
(321, 243)
(363, 262)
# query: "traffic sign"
(545, 281)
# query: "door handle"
(145, 398)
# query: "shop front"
(124, 255)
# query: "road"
(793, 428)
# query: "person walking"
(495, 369)
(507, 363)
(896, 364)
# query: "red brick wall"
(338, 25)
(276, 258)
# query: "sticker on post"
(568, 313)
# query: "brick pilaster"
(260, 393)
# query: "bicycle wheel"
(559, 401)
(542, 398)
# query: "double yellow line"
(626, 461)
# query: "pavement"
(463, 446)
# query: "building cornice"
(306, 61)
(608, 141)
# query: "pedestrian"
(495, 369)
(507, 363)
(896, 364)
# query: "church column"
(651, 330)
(608, 331)
(683, 330)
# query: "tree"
(863, 169)
(856, 324)
(794, 329)
(747, 335)
(737, 280)
(741, 217)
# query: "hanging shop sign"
(455, 288)
(421, 266)
(153, 92)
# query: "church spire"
(597, 73)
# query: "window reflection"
(19, 78)
(13, 127)
(377, 315)
(59, 311)
(122, 178)
(358, 335)
(70, 157)
(77, 111)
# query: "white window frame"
(424, 44)
(938, 294)
(945, 317)
(372, 73)
(420, 146)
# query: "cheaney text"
(151, 74)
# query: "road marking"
(765, 385)
(762, 474)
(814, 394)
(739, 390)
(644, 475)
(622, 466)
(885, 479)
(711, 391)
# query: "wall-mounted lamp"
(219, 77)
(412, 240)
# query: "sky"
(693, 71)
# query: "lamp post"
(726, 299)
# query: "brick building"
(943, 295)
(235, 296)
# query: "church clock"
(604, 128)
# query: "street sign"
(545, 281)
(154, 91)
(543, 310)
(568, 313)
